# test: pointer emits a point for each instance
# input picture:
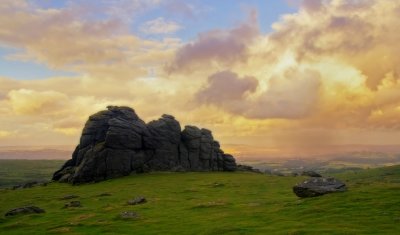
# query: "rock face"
(116, 142)
(317, 186)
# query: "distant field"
(211, 203)
(13, 172)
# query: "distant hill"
(18, 171)
(36, 153)
(324, 163)
(358, 156)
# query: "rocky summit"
(116, 142)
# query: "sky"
(278, 75)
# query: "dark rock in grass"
(25, 210)
(129, 215)
(318, 186)
(26, 185)
(104, 195)
(72, 204)
(116, 142)
(310, 173)
(68, 197)
(29, 185)
(137, 200)
(248, 169)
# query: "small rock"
(217, 185)
(138, 200)
(277, 173)
(104, 195)
(129, 215)
(310, 173)
(318, 186)
(26, 185)
(248, 168)
(29, 185)
(25, 210)
(68, 197)
(73, 204)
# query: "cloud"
(295, 94)
(4, 134)
(312, 5)
(160, 26)
(186, 10)
(71, 38)
(126, 10)
(226, 89)
(54, 110)
(216, 47)
(326, 74)
(24, 101)
(314, 69)
(329, 36)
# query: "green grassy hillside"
(211, 203)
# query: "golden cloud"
(4, 134)
(349, 51)
(24, 101)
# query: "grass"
(211, 203)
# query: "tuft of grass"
(211, 203)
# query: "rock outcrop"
(116, 142)
(317, 186)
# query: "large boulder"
(190, 147)
(116, 142)
(164, 140)
(317, 186)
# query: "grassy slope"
(13, 172)
(191, 203)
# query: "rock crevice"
(116, 142)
